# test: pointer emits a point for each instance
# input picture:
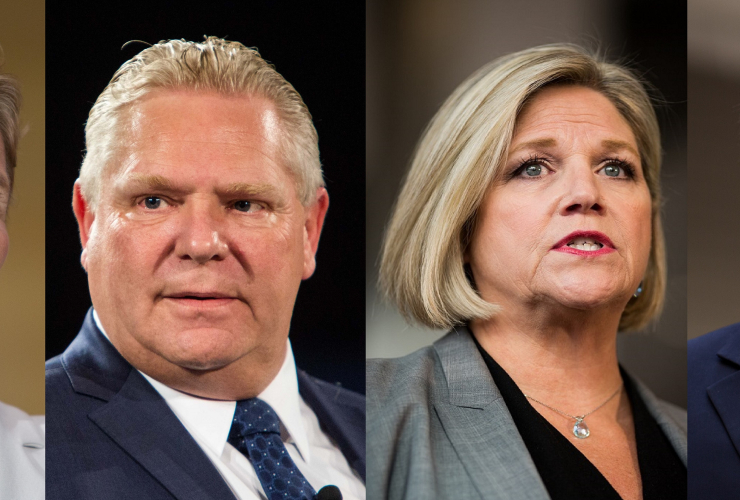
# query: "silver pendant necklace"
(580, 429)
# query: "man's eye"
(153, 202)
(247, 206)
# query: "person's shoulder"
(331, 391)
(405, 376)
(22, 453)
(14, 420)
(673, 412)
(711, 342)
(54, 366)
(404, 389)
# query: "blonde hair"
(214, 65)
(459, 155)
(10, 104)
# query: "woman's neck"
(564, 358)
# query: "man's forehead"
(176, 108)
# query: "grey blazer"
(437, 427)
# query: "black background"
(320, 49)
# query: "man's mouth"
(199, 296)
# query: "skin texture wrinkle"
(199, 243)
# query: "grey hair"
(214, 65)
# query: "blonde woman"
(21, 436)
(529, 225)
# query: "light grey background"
(714, 164)
(418, 51)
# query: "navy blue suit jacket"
(714, 414)
(110, 435)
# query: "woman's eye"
(618, 170)
(531, 170)
(247, 206)
(613, 170)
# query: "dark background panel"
(320, 49)
(419, 51)
(714, 165)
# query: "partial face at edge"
(199, 242)
(569, 220)
(4, 202)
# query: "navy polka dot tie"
(256, 434)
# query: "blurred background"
(22, 277)
(418, 51)
(714, 164)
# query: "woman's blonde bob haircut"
(459, 156)
(214, 65)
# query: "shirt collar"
(211, 420)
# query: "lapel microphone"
(329, 492)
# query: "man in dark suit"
(200, 204)
(714, 414)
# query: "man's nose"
(582, 190)
(202, 236)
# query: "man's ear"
(85, 218)
(312, 231)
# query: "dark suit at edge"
(110, 435)
(714, 414)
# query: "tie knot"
(254, 416)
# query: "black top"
(566, 472)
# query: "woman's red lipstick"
(585, 243)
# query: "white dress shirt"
(22, 453)
(209, 422)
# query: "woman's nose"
(202, 237)
(582, 191)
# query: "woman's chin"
(589, 295)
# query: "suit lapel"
(725, 394)
(136, 417)
(328, 405)
(479, 426)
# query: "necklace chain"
(577, 418)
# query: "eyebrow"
(613, 145)
(152, 181)
(608, 144)
(236, 189)
(538, 143)
(246, 189)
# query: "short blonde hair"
(214, 65)
(10, 104)
(460, 154)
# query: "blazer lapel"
(674, 428)
(136, 417)
(724, 394)
(479, 425)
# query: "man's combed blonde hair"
(10, 104)
(214, 65)
(460, 154)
